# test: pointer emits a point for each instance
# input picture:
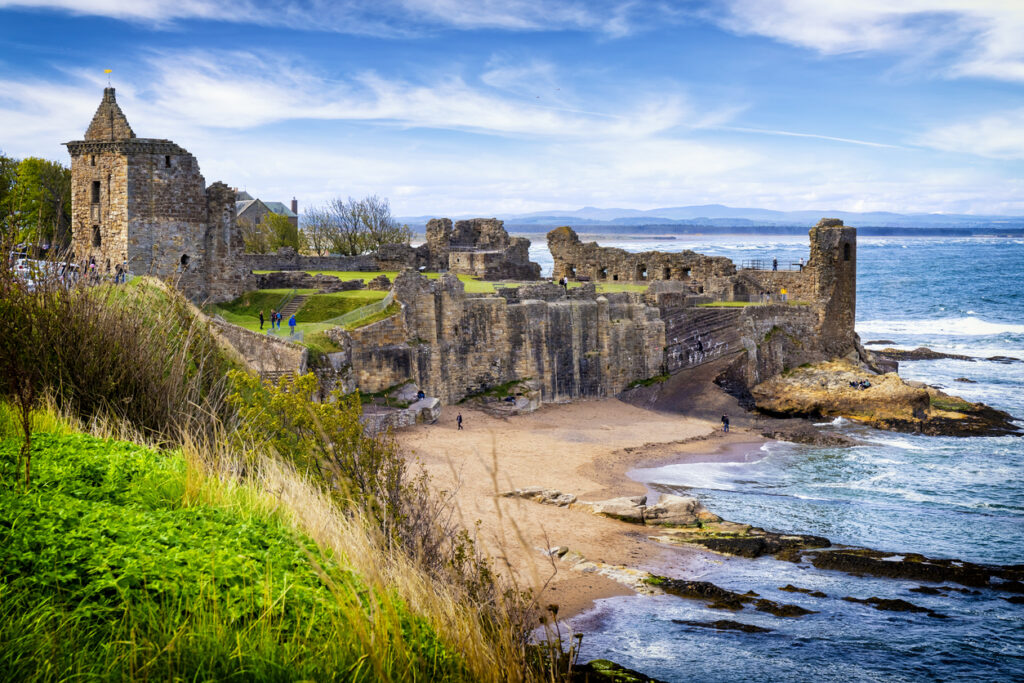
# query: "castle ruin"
(142, 204)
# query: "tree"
(269, 234)
(378, 225)
(41, 202)
(316, 229)
(351, 227)
(8, 181)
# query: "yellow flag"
(107, 71)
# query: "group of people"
(859, 386)
(275, 320)
(766, 296)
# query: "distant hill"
(685, 218)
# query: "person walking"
(273, 317)
(775, 264)
(261, 319)
(725, 424)
(458, 421)
(291, 324)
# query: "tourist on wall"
(775, 264)
(261, 318)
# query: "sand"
(585, 448)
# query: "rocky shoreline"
(845, 388)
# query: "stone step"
(292, 306)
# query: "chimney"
(295, 206)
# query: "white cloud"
(381, 17)
(982, 37)
(243, 115)
(999, 136)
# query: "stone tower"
(833, 269)
(144, 203)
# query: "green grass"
(951, 404)
(317, 308)
(123, 562)
(729, 304)
(320, 307)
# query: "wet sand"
(585, 448)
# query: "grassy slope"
(124, 562)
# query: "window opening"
(167, 161)
(96, 238)
(846, 251)
(668, 273)
(95, 192)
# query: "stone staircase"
(292, 306)
(695, 336)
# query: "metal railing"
(362, 312)
(770, 264)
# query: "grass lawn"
(126, 563)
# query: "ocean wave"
(970, 326)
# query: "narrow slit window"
(167, 161)
(97, 240)
(96, 192)
(846, 251)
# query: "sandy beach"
(585, 448)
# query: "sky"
(499, 107)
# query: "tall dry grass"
(135, 362)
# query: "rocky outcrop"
(544, 496)
(744, 540)
(670, 511)
(919, 568)
(721, 598)
(924, 353)
(827, 390)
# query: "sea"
(943, 497)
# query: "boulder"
(542, 495)
(427, 410)
(625, 509)
(678, 511)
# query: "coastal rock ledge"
(823, 390)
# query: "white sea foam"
(969, 326)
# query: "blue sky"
(453, 107)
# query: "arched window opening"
(686, 272)
(641, 272)
(846, 251)
(97, 240)
(603, 274)
(572, 272)
(668, 274)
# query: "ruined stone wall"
(453, 345)
(575, 259)
(263, 352)
(287, 258)
(291, 279)
(798, 284)
(832, 268)
(479, 247)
